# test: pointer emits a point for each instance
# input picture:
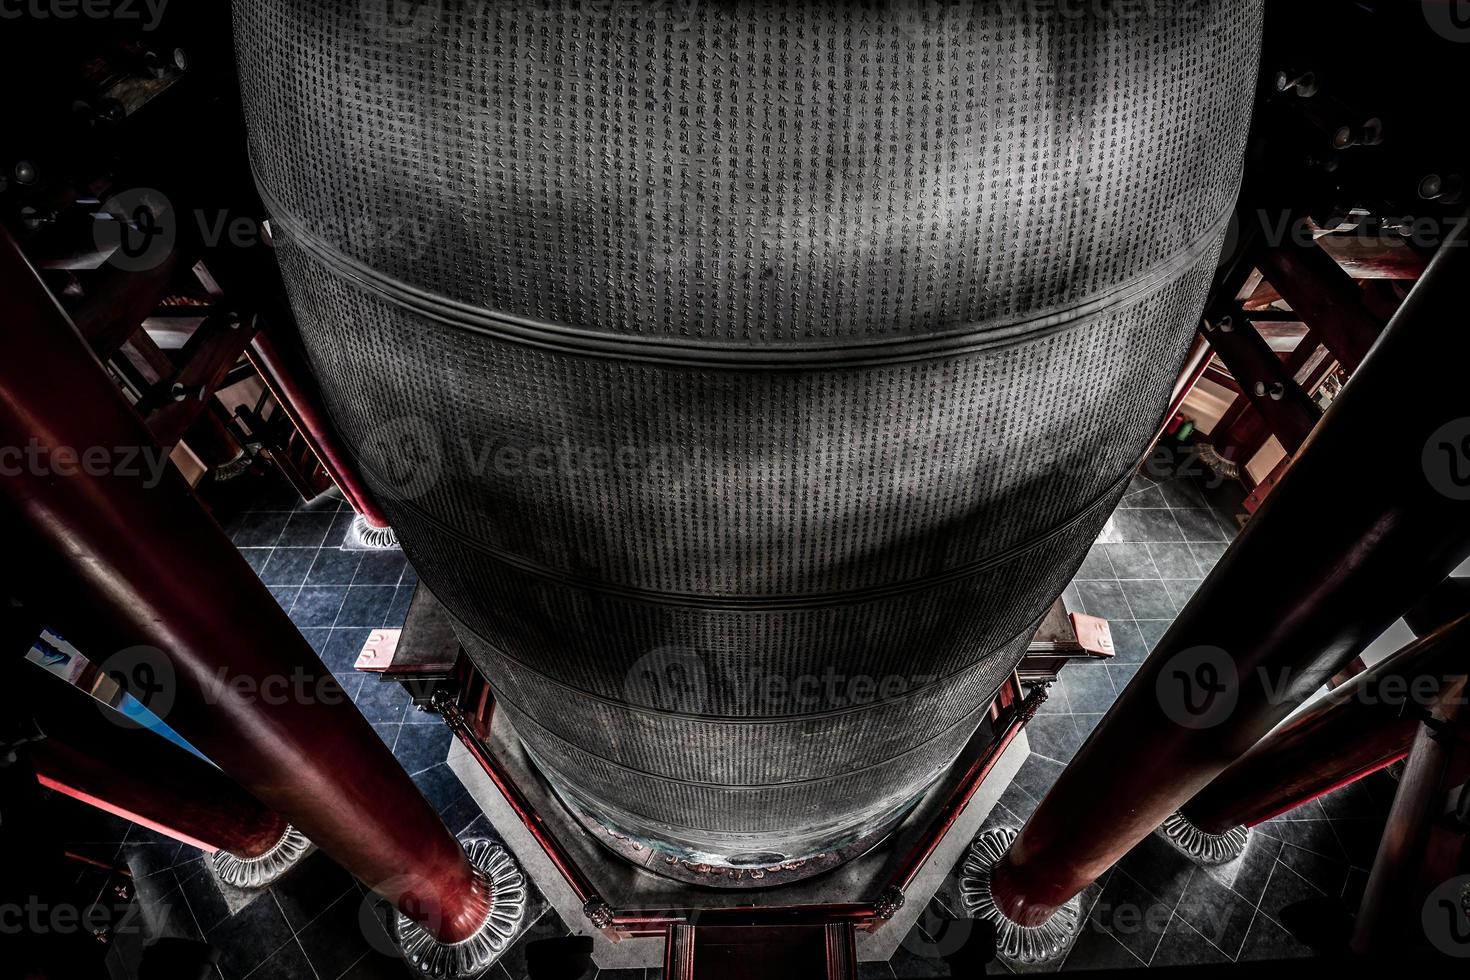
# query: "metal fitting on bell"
(261, 870)
(889, 902)
(1014, 942)
(1198, 845)
(598, 912)
(1303, 84)
(1447, 189)
(1368, 133)
(505, 890)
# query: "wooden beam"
(1325, 297)
(201, 367)
(1273, 392)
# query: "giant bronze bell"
(747, 378)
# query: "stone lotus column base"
(1200, 845)
(505, 885)
(261, 870)
(1029, 945)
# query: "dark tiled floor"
(337, 598)
(316, 923)
(1154, 908)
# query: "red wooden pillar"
(1357, 729)
(1304, 589)
(97, 756)
(1190, 374)
(1407, 869)
(288, 376)
(132, 547)
(173, 793)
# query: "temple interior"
(569, 489)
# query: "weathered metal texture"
(747, 379)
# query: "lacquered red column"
(1403, 872)
(1357, 729)
(1323, 568)
(124, 554)
(288, 376)
(186, 801)
(97, 756)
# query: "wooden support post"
(288, 376)
(1273, 392)
(1325, 297)
(120, 303)
(126, 557)
(1397, 888)
(1296, 597)
(1359, 728)
(94, 754)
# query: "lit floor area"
(1154, 908)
